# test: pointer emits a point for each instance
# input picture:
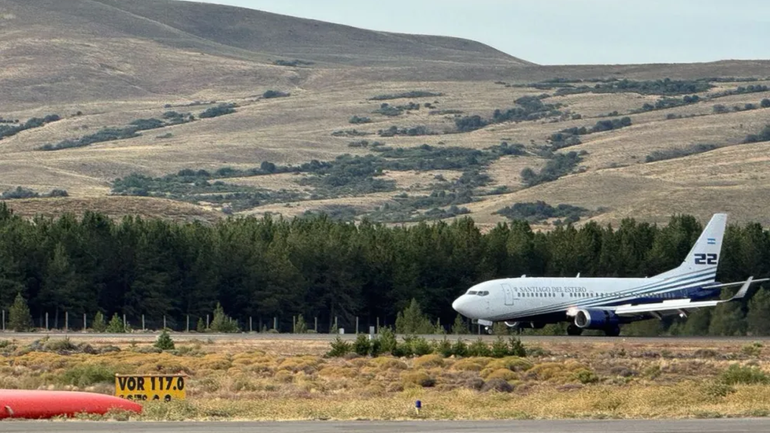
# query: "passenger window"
(471, 292)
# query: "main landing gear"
(572, 329)
(612, 331)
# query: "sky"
(562, 31)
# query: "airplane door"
(508, 292)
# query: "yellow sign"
(141, 387)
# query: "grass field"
(159, 56)
(279, 379)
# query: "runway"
(750, 425)
(182, 336)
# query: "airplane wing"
(680, 306)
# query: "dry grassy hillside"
(107, 63)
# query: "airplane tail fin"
(703, 258)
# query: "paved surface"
(578, 426)
(149, 336)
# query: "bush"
(765, 103)
(418, 378)
(763, 135)
(164, 341)
(420, 346)
(444, 348)
(661, 155)
(362, 346)
(717, 389)
(358, 120)
(387, 340)
(479, 348)
(35, 122)
(339, 348)
(497, 384)
(586, 376)
(735, 374)
(87, 375)
(63, 345)
(720, 109)
(500, 348)
(516, 347)
(411, 94)
(561, 165)
(275, 94)
(99, 325)
(219, 110)
(540, 211)
(460, 349)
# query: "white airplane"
(605, 303)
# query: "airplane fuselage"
(551, 300)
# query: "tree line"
(267, 268)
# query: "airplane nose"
(458, 304)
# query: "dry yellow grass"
(289, 379)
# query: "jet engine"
(596, 319)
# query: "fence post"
(3, 320)
(250, 327)
(125, 324)
(143, 323)
(316, 325)
(46, 320)
(378, 325)
(356, 325)
(293, 324)
(188, 323)
(207, 321)
(85, 323)
(66, 321)
(275, 323)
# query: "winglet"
(744, 288)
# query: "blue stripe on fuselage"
(698, 278)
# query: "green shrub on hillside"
(411, 94)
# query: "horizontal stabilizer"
(737, 283)
(680, 306)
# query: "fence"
(73, 322)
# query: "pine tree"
(19, 318)
(758, 317)
(221, 322)
(116, 325)
(164, 341)
(99, 325)
(201, 326)
(459, 327)
(412, 321)
(300, 327)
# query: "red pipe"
(47, 404)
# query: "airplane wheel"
(613, 331)
(574, 330)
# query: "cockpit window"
(484, 293)
(471, 292)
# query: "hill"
(207, 111)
